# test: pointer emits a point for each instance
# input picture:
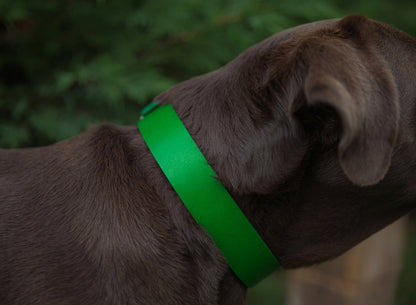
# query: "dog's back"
(47, 198)
(80, 225)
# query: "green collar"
(204, 196)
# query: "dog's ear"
(356, 84)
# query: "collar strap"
(204, 196)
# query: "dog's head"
(301, 128)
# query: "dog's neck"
(193, 180)
(253, 187)
(222, 113)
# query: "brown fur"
(312, 131)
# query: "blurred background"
(68, 64)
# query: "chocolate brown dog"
(312, 131)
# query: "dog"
(312, 132)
